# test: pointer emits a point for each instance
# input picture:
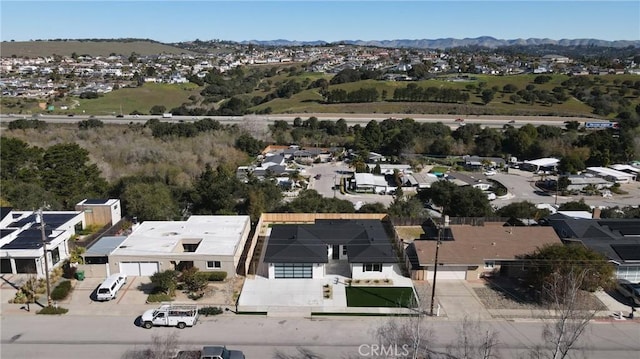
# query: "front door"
(336, 252)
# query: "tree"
(67, 172)
(575, 206)
(157, 110)
(524, 209)
(546, 264)
(160, 347)
(570, 308)
(375, 207)
(165, 281)
(148, 201)
(474, 340)
(487, 96)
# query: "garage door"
(136, 269)
(447, 275)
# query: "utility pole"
(435, 267)
(44, 247)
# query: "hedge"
(207, 311)
(53, 310)
(61, 291)
(217, 276)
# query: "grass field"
(380, 297)
(139, 99)
(93, 48)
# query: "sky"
(178, 21)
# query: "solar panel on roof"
(96, 201)
(628, 252)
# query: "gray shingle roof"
(366, 242)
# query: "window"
(293, 270)
(5, 266)
(372, 267)
(489, 264)
(213, 264)
(344, 250)
(55, 255)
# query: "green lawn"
(379, 297)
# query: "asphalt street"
(263, 337)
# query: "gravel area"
(504, 296)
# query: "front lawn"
(380, 297)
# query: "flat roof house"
(22, 242)
(356, 248)
(469, 251)
(210, 243)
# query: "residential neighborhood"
(319, 180)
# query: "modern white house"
(355, 248)
(22, 242)
(210, 243)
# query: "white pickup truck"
(171, 315)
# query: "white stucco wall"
(358, 273)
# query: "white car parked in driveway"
(490, 173)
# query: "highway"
(352, 119)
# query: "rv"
(171, 315)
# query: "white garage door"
(447, 275)
(136, 269)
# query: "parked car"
(211, 352)
(490, 173)
(318, 176)
(459, 119)
(630, 291)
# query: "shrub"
(207, 311)
(69, 271)
(158, 297)
(166, 281)
(61, 291)
(52, 310)
(194, 280)
(217, 276)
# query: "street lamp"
(40, 219)
(435, 265)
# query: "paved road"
(261, 337)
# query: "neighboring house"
(541, 164)
(468, 251)
(368, 182)
(96, 257)
(311, 251)
(100, 212)
(612, 175)
(617, 239)
(22, 242)
(580, 182)
(210, 243)
(422, 180)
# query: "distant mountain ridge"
(483, 41)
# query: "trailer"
(171, 315)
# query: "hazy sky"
(175, 21)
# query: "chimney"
(596, 213)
